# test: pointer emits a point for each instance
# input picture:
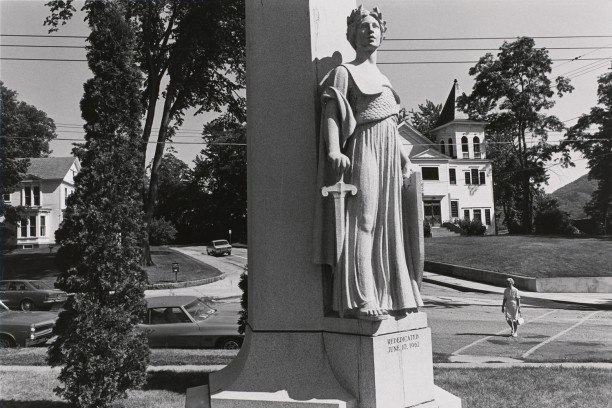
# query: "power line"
(43, 59)
(42, 36)
(495, 38)
(467, 62)
(42, 46)
(484, 49)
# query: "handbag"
(520, 320)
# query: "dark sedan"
(191, 322)
(25, 329)
(31, 294)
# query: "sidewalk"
(597, 300)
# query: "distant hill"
(573, 196)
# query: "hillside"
(573, 196)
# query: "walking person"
(511, 305)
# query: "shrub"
(473, 227)
(549, 219)
(426, 228)
(161, 231)
(244, 301)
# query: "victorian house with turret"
(457, 177)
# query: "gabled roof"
(420, 142)
(49, 168)
(449, 111)
(430, 153)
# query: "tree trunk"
(154, 181)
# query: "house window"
(474, 176)
(465, 148)
(23, 228)
(32, 225)
(442, 147)
(6, 197)
(477, 215)
(452, 176)
(43, 226)
(482, 178)
(451, 153)
(454, 209)
(36, 191)
(466, 215)
(476, 147)
(430, 173)
(27, 192)
(65, 195)
(488, 216)
(467, 178)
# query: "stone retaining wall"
(545, 285)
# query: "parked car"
(31, 294)
(25, 329)
(219, 247)
(191, 322)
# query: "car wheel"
(27, 305)
(208, 252)
(230, 343)
(6, 342)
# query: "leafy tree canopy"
(198, 46)
(512, 92)
(592, 136)
(426, 117)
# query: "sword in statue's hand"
(338, 192)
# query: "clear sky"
(57, 87)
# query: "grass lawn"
(35, 356)
(528, 387)
(526, 255)
(478, 388)
(40, 264)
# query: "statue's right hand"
(340, 162)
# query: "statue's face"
(368, 34)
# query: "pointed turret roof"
(450, 112)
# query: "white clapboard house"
(457, 177)
(44, 189)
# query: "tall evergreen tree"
(101, 353)
(512, 92)
(596, 147)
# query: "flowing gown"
(373, 271)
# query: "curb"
(186, 284)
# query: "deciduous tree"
(512, 92)
(426, 117)
(100, 352)
(197, 47)
(220, 175)
(592, 136)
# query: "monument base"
(351, 364)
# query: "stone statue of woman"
(360, 142)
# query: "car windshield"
(199, 310)
(41, 285)
(220, 242)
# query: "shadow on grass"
(173, 381)
(34, 404)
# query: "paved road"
(469, 326)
